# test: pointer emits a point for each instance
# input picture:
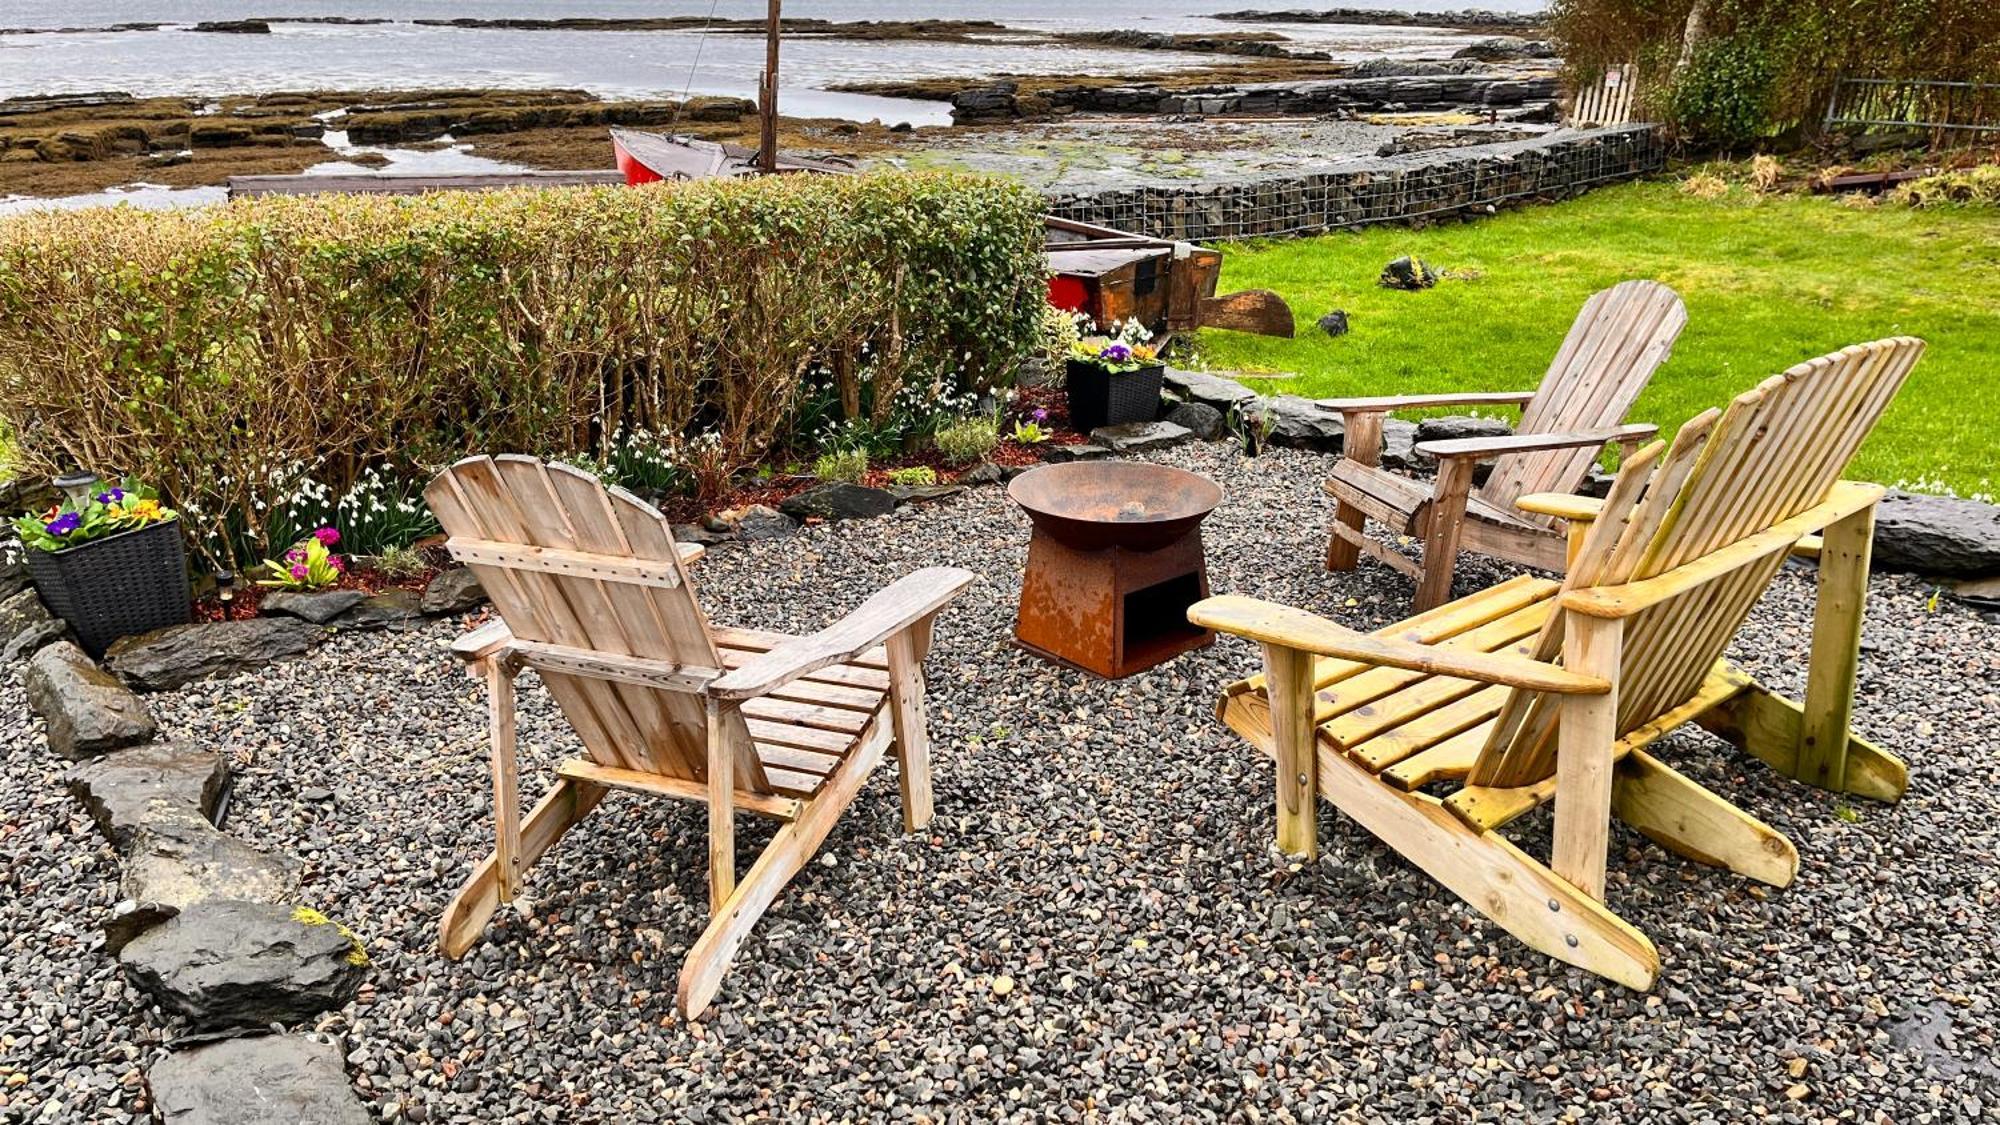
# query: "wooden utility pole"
(767, 100)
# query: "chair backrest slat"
(1775, 452)
(1619, 339)
(522, 501)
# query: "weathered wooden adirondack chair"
(1620, 338)
(1532, 690)
(593, 594)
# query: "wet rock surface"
(316, 607)
(180, 654)
(1937, 535)
(1103, 847)
(225, 964)
(27, 626)
(1135, 437)
(456, 590)
(176, 861)
(127, 790)
(838, 500)
(264, 1080)
(86, 710)
(387, 610)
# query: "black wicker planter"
(1103, 398)
(115, 587)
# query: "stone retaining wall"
(1387, 189)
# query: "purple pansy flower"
(1039, 416)
(112, 496)
(327, 536)
(63, 524)
(1116, 353)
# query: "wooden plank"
(1411, 734)
(1362, 443)
(506, 778)
(556, 560)
(800, 714)
(1445, 524)
(721, 808)
(1767, 727)
(913, 744)
(1288, 672)
(676, 788)
(1591, 646)
(805, 738)
(1836, 650)
(466, 916)
(1690, 821)
(1385, 403)
(902, 604)
(1380, 552)
(569, 660)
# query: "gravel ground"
(1093, 928)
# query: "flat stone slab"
(1296, 423)
(838, 500)
(388, 609)
(1086, 451)
(912, 493)
(165, 659)
(86, 710)
(318, 607)
(456, 590)
(176, 861)
(1452, 427)
(1940, 535)
(129, 789)
(27, 626)
(1135, 437)
(285, 1079)
(1211, 390)
(246, 964)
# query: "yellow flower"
(1142, 352)
(145, 509)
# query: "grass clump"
(848, 465)
(968, 440)
(915, 476)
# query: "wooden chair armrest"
(903, 604)
(482, 642)
(1484, 447)
(1287, 627)
(690, 553)
(1561, 505)
(1845, 499)
(1387, 403)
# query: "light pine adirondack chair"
(1531, 690)
(593, 593)
(1620, 338)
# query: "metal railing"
(1952, 112)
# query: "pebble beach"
(1094, 928)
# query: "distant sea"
(403, 55)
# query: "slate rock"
(1979, 593)
(456, 590)
(838, 500)
(255, 1081)
(1408, 274)
(180, 654)
(1334, 323)
(128, 789)
(699, 533)
(13, 564)
(906, 493)
(86, 710)
(1083, 451)
(761, 521)
(1207, 389)
(390, 608)
(1940, 535)
(178, 860)
(986, 472)
(27, 626)
(1507, 48)
(1135, 437)
(1296, 423)
(316, 606)
(1454, 426)
(224, 963)
(1399, 446)
(1200, 419)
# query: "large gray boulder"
(175, 861)
(390, 609)
(1399, 446)
(456, 590)
(1296, 423)
(1207, 389)
(282, 1079)
(129, 789)
(316, 606)
(27, 626)
(179, 654)
(246, 964)
(1200, 419)
(1940, 535)
(86, 710)
(1452, 427)
(1136, 437)
(838, 500)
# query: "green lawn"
(1768, 282)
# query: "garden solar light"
(76, 485)
(225, 590)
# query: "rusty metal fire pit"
(1114, 563)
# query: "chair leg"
(1766, 726)
(1690, 821)
(721, 809)
(906, 711)
(465, 918)
(500, 674)
(1836, 650)
(1587, 728)
(1288, 683)
(1444, 526)
(1361, 442)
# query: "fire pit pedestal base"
(1112, 612)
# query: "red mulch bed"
(247, 596)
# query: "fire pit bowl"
(1094, 505)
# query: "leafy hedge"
(225, 354)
